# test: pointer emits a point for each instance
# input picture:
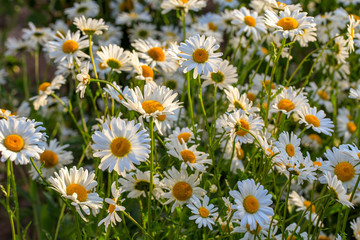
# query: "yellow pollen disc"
(102, 66)
(203, 212)
(316, 137)
(356, 17)
(239, 153)
(112, 207)
(14, 143)
(151, 106)
(200, 55)
(358, 155)
(270, 151)
(157, 54)
(147, 72)
(113, 63)
(184, 1)
(44, 86)
(280, 3)
(50, 158)
(250, 21)
(349, 117)
(228, 0)
(120, 97)
(307, 204)
(70, 46)
(267, 82)
(265, 50)
(254, 232)
(188, 156)
(344, 171)
(184, 136)
(212, 26)
(251, 204)
(351, 127)
(286, 104)
(311, 119)
(79, 190)
(290, 150)
(324, 238)
(133, 15)
(182, 191)
(352, 32)
(244, 124)
(291, 238)
(251, 96)
(288, 23)
(323, 95)
(120, 147)
(161, 118)
(317, 164)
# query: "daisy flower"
(90, 26)
(114, 207)
(289, 24)
(68, 47)
(46, 89)
(302, 205)
(120, 145)
(87, 8)
(15, 46)
(36, 35)
(309, 35)
(155, 54)
(181, 187)
(185, 5)
(114, 94)
(346, 126)
(289, 101)
(239, 155)
(355, 226)
(289, 145)
(341, 50)
(321, 95)
(351, 33)
(54, 157)
(189, 157)
(313, 141)
(4, 114)
(224, 76)
(77, 185)
(355, 93)
(289, 231)
(143, 31)
(316, 120)
(249, 23)
(114, 57)
(84, 79)
(138, 184)
(336, 187)
(251, 123)
(156, 102)
(198, 53)
(202, 212)
(184, 135)
(238, 101)
(261, 232)
(143, 71)
(137, 15)
(343, 165)
(20, 139)
(252, 204)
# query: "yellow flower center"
(290, 150)
(250, 21)
(102, 66)
(311, 119)
(239, 153)
(288, 23)
(113, 63)
(212, 26)
(79, 190)
(70, 46)
(265, 50)
(244, 124)
(50, 158)
(324, 238)
(157, 54)
(358, 155)
(217, 77)
(323, 95)
(147, 72)
(120, 97)
(43, 86)
(184, 1)
(251, 204)
(112, 207)
(270, 151)
(280, 3)
(286, 104)
(200, 55)
(151, 106)
(356, 17)
(344, 171)
(267, 82)
(120, 146)
(307, 204)
(203, 212)
(251, 96)
(188, 156)
(316, 137)
(14, 143)
(184, 136)
(317, 164)
(238, 105)
(351, 127)
(254, 232)
(133, 15)
(182, 191)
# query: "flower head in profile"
(84, 79)
(90, 26)
(199, 54)
(337, 189)
(185, 5)
(77, 185)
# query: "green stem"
(37, 65)
(16, 200)
(92, 57)
(59, 220)
(215, 102)
(25, 79)
(151, 128)
(286, 204)
(8, 191)
(348, 209)
(137, 224)
(191, 110)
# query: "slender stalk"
(348, 209)
(92, 57)
(25, 79)
(215, 102)
(202, 104)
(286, 204)
(16, 200)
(8, 191)
(151, 128)
(191, 110)
(138, 225)
(37, 65)
(59, 220)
